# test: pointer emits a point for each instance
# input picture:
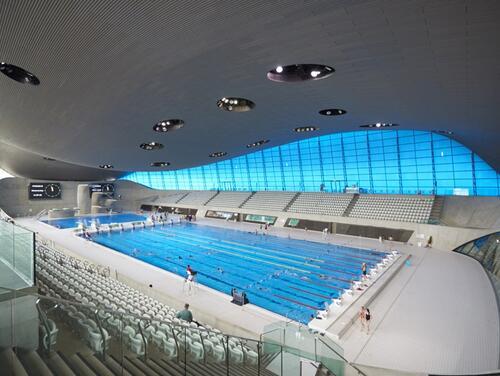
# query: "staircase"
(211, 198)
(17, 362)
(351, 205)
(247, 199)
(291, 202)
(183, 196)
(437, 208)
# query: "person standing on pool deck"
(363, 269)
(362, 317)
(368, 317)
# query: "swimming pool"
(290, 277)
(88, 219)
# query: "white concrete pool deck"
(437, 315)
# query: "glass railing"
(298, 342)
(16, 256)
(59, 332)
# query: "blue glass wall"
(377, 161)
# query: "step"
(13, 366)
(96, 365)
(58, 366)
(34, 364)
(138, 363)
(114, 365)
(165, 366)
(132, 368)
(80, 366)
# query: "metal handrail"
(103, 337)
(139, 324)
(341, 357)
(45, 322)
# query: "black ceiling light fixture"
(257, 143)
(333, 112)
(106, 166)
(49, 159)
(299, 72)
(151, 146)
(379, 125)
(168, 125)
(218, 154)
(19, 74)
(160, 164)
(306, 129)
(233, 104)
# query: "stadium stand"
(229, 199)
(393, 208)
(197, 198)
(264, 200)
(320, 203)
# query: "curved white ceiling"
(110, 70)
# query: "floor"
(437, 315)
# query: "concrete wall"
(475, 212)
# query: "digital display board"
(44, 191)
(102, 187)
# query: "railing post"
(103, 338)
(45, 324)
(144, 341)
(258, 359)
(281, 368)
(185, 350)
(227, 355)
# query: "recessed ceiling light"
(379, 125)
(235, 104)
(217, 154)
(49, 159)
(257, 143)
(299, 72)
(19, 74)
(333, 112)
(305, 129)
(106, 166)
(168, 125)
(151, 146)
(160, 164)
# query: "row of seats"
(60, 276)
(321, 203)
(393, 208)
(197, 198)
(229, 199)
(266, 200)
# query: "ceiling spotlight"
(379, 125)
(235, 104)
(106, 166)
(333, 112)
(441, 131)
(151, 146)
(299, 72)
(305, 129)
(19, 74)
(257, 143)
(168, 125)
(160, 164)
(217, 154)
(49, 159)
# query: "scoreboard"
(44, 191)
(108, 188)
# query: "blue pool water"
(290, 277)
(87, 219)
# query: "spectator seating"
(268, 200)
(393, 208)
(229, 199)
(321, 203)
(62, 276)
(197, 198)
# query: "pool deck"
(438, 313)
